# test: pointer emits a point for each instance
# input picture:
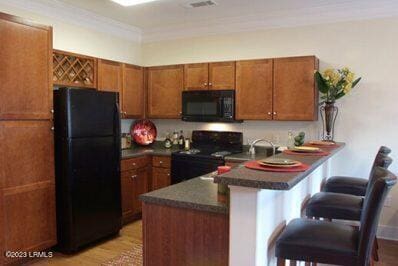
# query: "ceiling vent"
(197, 4)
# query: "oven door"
(187, 167)
(202, 106)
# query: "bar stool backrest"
(381, 154)
(372, 207)
(384, 161)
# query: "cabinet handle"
(52, 128)
(269, 113)
(134, 164)
(52, 111)
(205, 84)
(210, 84)
(160, 162)
(274, 113)
(168, 174)
(133, 176)
(125, 113)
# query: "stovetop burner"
(191, 151)
(221, 153)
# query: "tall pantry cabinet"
(27, 184)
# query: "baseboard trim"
(387, 232)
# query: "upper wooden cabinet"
(165, 85)
(254, 89)
(133, 92)
(222, 76)
(74, 70)
(110, 76)
(213, 76)
(196, 76)
(295, 94)
(26, 69)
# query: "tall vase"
(329, 114)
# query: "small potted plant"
(333, 84)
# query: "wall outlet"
(388, 202)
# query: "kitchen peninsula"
(242, 232)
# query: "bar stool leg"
(293, 263)
(307, 263)
(314, 264)
(280, 262)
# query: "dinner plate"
(280, 165)
(306, 149)
(278, 161)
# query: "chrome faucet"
(252, 150)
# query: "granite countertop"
(245, 177)
(197, 194)
(158, 149)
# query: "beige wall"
(72, 38)
(368, 117)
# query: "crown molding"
(349, 11)
(77, 16)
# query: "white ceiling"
(172, 12)
(170, 19)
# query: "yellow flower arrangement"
(335, 83)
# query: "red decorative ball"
(143, 132)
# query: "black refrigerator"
(87, 162)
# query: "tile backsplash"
(276, 131)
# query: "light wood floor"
(101, 252)
(132, 233)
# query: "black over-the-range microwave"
(208, 106)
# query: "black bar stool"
(331, 205)
(354, 185)
(332, 243)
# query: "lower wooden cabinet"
(137, 178)
(127, 184)
(160, 177)
(134, 182)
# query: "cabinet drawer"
(161, 161)
(134, 163)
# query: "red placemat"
(256, 166)
(322, 153)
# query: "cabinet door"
(140, 187)
(133, 91)
(254, 89)
(222, 76)
(165, 85)
(196, 76)
(110, 77)
(160, 178)
(28, 218)
(295, 94)
(127, 185)
(27, 153)
(26, 69)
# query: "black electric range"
(209, 148)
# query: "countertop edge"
(182, 204)
(233, 181)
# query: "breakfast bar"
(262, 203)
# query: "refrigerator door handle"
(118, 129)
